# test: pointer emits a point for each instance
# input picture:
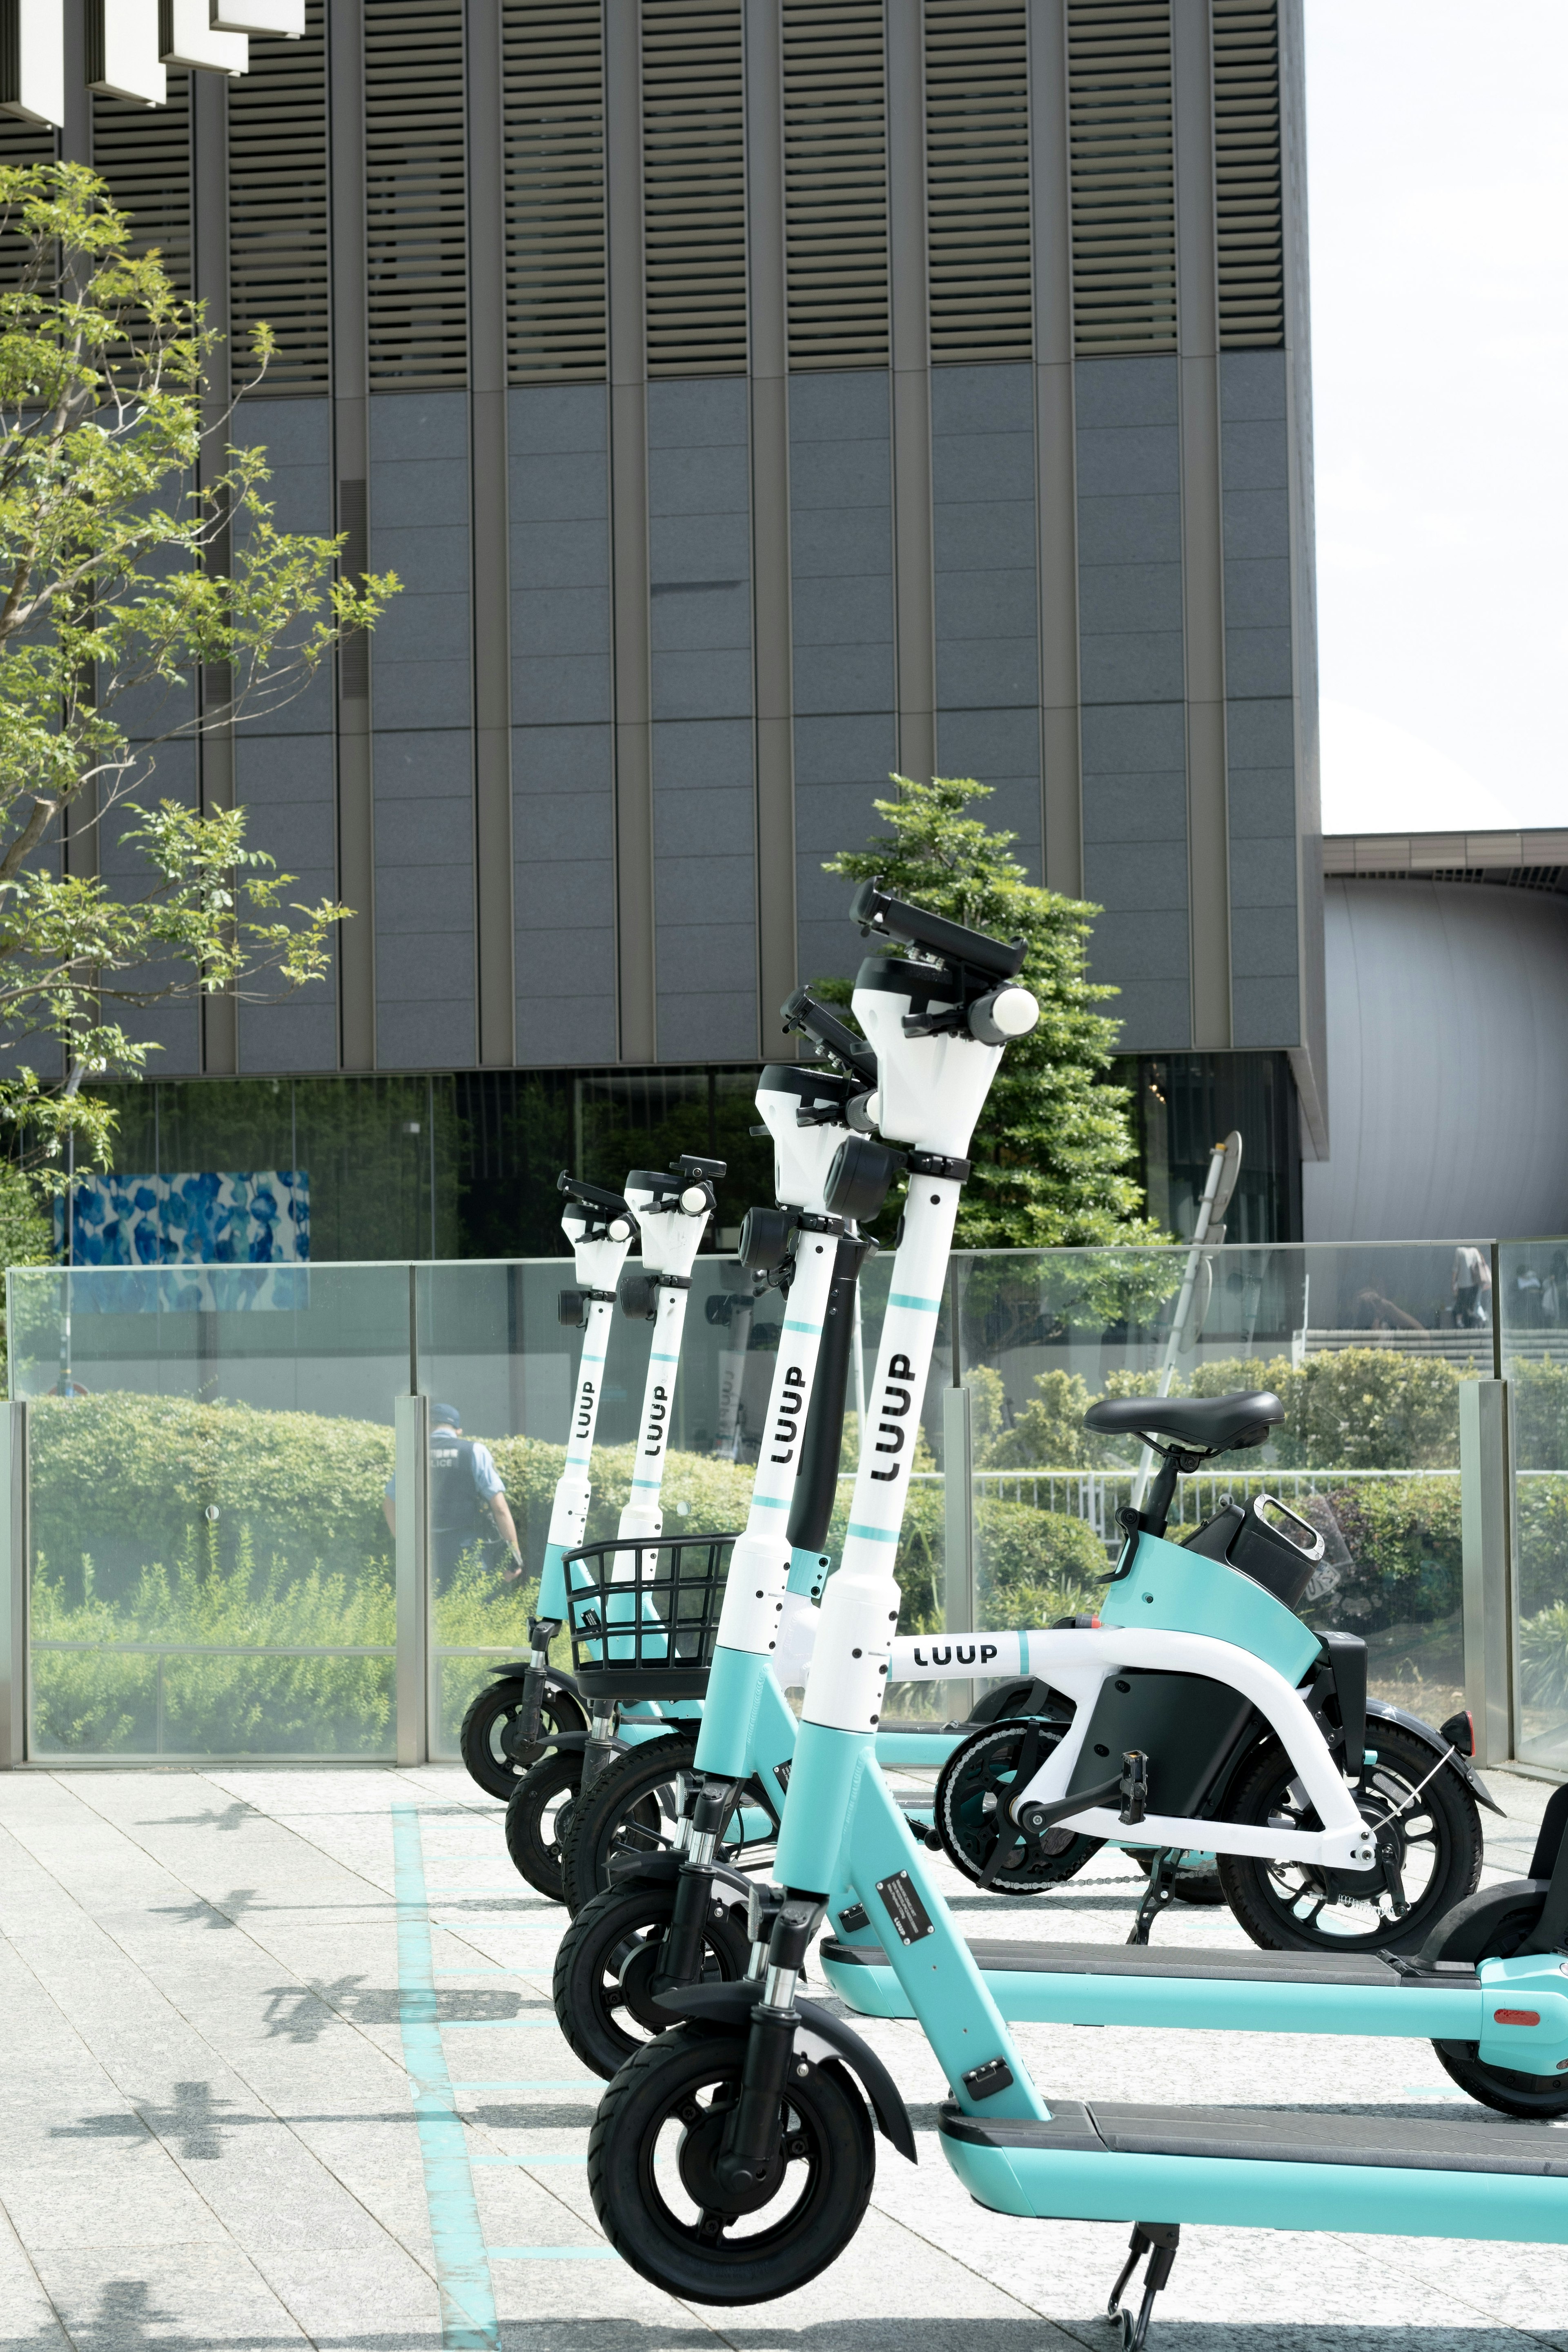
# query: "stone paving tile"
(204, 1967)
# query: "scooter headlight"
(1004, 1014)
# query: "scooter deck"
(1048, 1983)
(1423, 2177)
(1016, 1956)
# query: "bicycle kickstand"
(1157, 1894)
(1158, 2241)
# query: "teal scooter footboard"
(1177, 2004)
(1383, 2199)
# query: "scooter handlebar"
(802, 1011)
(591, 1196)
(876, 910)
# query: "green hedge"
(299, 1554)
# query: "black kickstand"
(1158, 2241)
(1159, 1891)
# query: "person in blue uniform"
(467, 1500)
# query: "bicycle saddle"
(1222, 1424)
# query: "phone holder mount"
(600, 1227)
(979, 974)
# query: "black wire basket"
(643, 1616)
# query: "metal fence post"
(13, 1585)
(958, 1511)
(1486, 1503)
(411, 1421)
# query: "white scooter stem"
(938, 1031)
(672, 1210)
(804, 1110)
(601, 1230)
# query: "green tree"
(1052, 1149)
(147, 599)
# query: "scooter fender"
(819, 2036)
(634, 1869)
(559, 1742)
(1379, 1710)
(516, 1670)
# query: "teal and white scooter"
(655, 1903)
(670, 1211)
(733, 2158)
(530, 1701)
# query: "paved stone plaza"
(216, 1992)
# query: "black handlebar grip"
(817, 1480)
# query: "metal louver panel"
(836, 183)
(553, 64)
(278, 209)
(1248, 175)
(1123, 179)
(416, 194)
(145, 154)
(977, 181)
(22, 145)
(694, 187)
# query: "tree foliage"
(1053, 1147)
(147, 599)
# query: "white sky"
(1437, 144)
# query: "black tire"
(539, 1819)
(677, 2090)
(488, 1714)
(602, 2004)
(1512, 2094)
(970, 1789)
(1196, 1882)
(635, 1805)
(1294, 1908)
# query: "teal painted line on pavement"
(872, 1535)
(468, 2322)
(921, 1306)
(552, 2253)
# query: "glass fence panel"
(1533, 1323)
(212, 1491)
(210, 1562)
(1365, 1348)
(491, 1346)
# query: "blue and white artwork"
(190, 1243)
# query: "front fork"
(681, 1953)
(542, 1632)
(745, 2162)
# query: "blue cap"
(449, 1413)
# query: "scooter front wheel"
(650, 2173)
(539, 1819)
(633, 1806)
(605, 1967)
(480, 1740)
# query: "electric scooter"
(670, 1209)
(529, 1702)
(662, 1906)
(760, 2099)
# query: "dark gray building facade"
(757, 397)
